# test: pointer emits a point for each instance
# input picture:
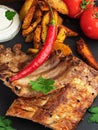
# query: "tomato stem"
(97, 15)
(84, 4)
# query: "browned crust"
(61, 110)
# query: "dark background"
(6, 95)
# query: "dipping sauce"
(8, 28)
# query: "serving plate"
(6, 95)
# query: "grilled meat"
(12, 61)
(60, 110)
(61, 69)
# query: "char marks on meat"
(62, 109)
(61, 69)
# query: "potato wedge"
(44, 23)
(85, 52)
(28, 18)
(61, 47)
(37, 37)
(60, 20)
(37, 34)
(31, 28)
(38, 13)
(26, 6)
(32, 51)
(61, 35)
(29, 37)
(69, 32)
(43, 5)
(59, 5)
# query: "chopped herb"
(94, 114)
(10, 14)
(5, 124)
(43, 85)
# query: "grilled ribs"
(59, 68)
(62, 109)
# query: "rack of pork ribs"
(63, 108)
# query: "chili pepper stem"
(43, 54)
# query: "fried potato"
(44, 23)
(61, 47)
(37, 34)
(60, 20)
(85, 52)
(59, 5)
(37, 37)
(29, 37)
(69, 32)
(32, 50)
(26, 6)
(31, 28)
(38, 13)
(28, 18)
(61, 35)
(43, 5)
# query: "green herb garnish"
(94, 114)
(43, 85)
(10, 14)
(5, 124)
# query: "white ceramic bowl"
(8, 28)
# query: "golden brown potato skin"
(59, 5)
(85, 52)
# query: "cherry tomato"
(89, 22)
(76, 7)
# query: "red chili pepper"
(43, 54)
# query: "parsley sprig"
(10, 14)
(94, 114)
(5, 124)
(42, 85)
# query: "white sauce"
(8, 28)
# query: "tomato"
(89, 22)
(76, 7)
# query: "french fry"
(59, 5)
(43, 5)
(37, 37)
(69, 32)
(38, 13)
(31, 28)
(60, 20)
(85, 52)
(32, 50)
(29, 37)
(61, 35)
(37, 45)
(37, 34)
(65, 49)
(26, 6)
(28, 18)
(44, 23)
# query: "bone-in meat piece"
(60, 110)
(61, 69)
